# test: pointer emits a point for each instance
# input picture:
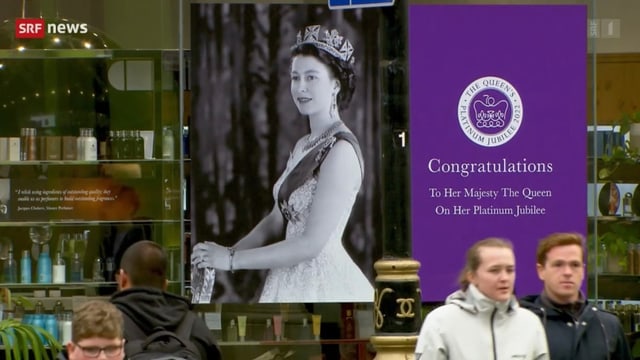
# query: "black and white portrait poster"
(285, 153)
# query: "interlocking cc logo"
(405, 307)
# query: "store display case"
(90, 151)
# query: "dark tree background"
(245, 124)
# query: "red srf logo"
(29, 28)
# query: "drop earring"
(334, 107)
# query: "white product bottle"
(90, 146)
(65, 325)
(59, 270)
(167, 143)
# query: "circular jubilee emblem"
(490, 111)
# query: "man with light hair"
(97, 330)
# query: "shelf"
(83, 284)
(621, 173)
(55, 54)
(88, 162)
(294, 342)
(617, 286)
(629, 219)
(65, 222)
(67, 285)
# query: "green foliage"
(620, 234)
(616, 155)
(18, 338)
(628, 119)
(617, 239)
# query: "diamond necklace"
(311, 143)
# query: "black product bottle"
(76, 268)
(138, 145)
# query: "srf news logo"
(36, 28)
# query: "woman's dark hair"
(342, 70)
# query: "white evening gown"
(331, 276)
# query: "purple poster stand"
(498, 133)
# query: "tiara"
(329, 41)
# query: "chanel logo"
(406, 308)
(379, 318)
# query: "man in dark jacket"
(576, 329)
(142, 298)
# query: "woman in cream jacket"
(482, 320)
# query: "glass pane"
(91, 137)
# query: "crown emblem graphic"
(489, 113)
(329, 41)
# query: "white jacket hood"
(471, 326)
(473, 301)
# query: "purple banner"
(498, 130)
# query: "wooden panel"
(617, 86)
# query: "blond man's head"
(98, 327)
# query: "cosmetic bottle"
(232, 331)
(627, 208)
(167, 143)
(44, 266)
(116, 145)
(76, 268)
(242, 327)
(138, 145)
(51, 325)
(89, 145)
(65, 326)
(25, 267)
(98, 269)
(39, 308)
(18, 311)
(305, 331)
(59, 269)
(268, 331)
(23, 143)
(10, 268)
(58, 310)
(110, 269)
(31, 144)
(316, 322)
(80, 144)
